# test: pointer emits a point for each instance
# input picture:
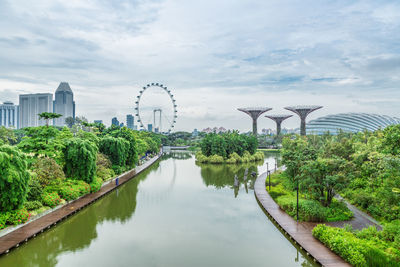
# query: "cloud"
(214, 55)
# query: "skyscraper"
(64, 103)
(31, 105)
(129, 121)
(115, 121)
(9, 115)
(150, 127)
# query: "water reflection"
(230, 175)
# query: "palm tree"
(48, 115)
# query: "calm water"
(174, 214)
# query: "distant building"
(150, 127)
(121, 124)
(9, 115)
(268, 131)
(98, 121)
(64, 103)
(129, 121)
(214, 130)
(115, 121)
(30, 105)
(195, 133)
(135, 127)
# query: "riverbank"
(300, 232)
(34, 227)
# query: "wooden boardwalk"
(33, 228)
(299, 232)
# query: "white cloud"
(215, 55)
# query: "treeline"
(44, 166)
(364, 168)
(230, 147)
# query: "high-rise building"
(64, 103)
(115, 121)
(9, 116)
(31, 105)
(150, 127)
(98, 121)
(129, 121)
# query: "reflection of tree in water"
(223, 175)
(78, 231)
(177, 155)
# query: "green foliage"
(51, 199)
(73, 189)
(7, 136)
(14, 178)
(391, 139)
(233, 158)
(96, 185)
(130, 150)
(80, 159)
(309, 210)
(216, 159)
(33, 205)
(104, 167)
(47, 171)
(41, 141)
(359, 249)
(35, 190)
(227, 143)
(18, 216)
(3, 219)
(48, 116)
(116, 149)
(88, 136)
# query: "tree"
(41, 141)
(69, 121)
(14, 178)
(116, 149)
(7, 136)
(48, 116)
(80, 159)
(321, 177)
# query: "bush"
(71, 190)
(117, 150)
(14, 178)
(356, 251)
(18, 216)
(51, 199)
(47, 171)
(103, 167)
(216, 159)
(33, 205)
(96, 185)
(309, 210)
(3, 219)
(80, 159)
(35, 190)
(201, 158)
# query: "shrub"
(35, 190)
(103, 167)
(117, 150)
(259, 156)
(71, 190)
(201, 158)
(216, 159)
(18, 216)
(356, 251)
(51, 199)
(96, 185)
(33, 205)
(3, 219)
(309, 210)
(47, 171)
(14, 178)
(80, 159)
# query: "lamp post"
(269, 180)
(297, 206)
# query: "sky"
(214, 55)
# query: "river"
(176, 213)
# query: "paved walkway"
(299, 232)
(359, 221)
(33, 228)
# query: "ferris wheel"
(156, 108)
